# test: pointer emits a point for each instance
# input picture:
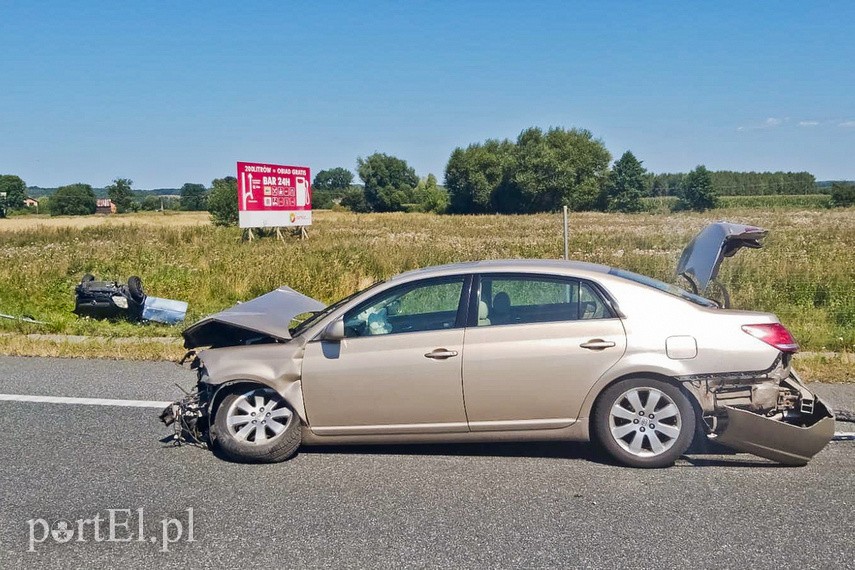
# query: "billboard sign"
(273, 195)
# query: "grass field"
(805, 274)
(663, 204)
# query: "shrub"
(842, 195)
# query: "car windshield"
(662, 286)
(316, 316)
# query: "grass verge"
(104, 348)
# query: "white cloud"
(847, 124)
(769, 123)
(808, 123)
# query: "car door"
(399, 368)
(539, 345)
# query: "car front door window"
(426, 306)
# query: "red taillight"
(773, 334)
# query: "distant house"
(31, 203)
(104, 206)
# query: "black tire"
(135, 290)
(276, 448)
(87, 278)
(636, 447)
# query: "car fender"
(275, 365)
(641, 364)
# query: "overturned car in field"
(516, 350)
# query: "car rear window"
(662, 286)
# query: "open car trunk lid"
(268, 316)
(700, 261)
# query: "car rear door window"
(510, 299)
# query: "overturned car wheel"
(644, 422)
(256, 425)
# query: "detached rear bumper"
(791, 442)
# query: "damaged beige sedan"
(519, 350)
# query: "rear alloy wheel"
(255, 424)
(644, 422)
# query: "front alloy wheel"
(258, 416)
(644, 422)
(255, 424)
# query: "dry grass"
(828, 367)
(111, 349)
(805, 274)
(153, 219)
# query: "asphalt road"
(470, 506)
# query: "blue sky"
(172, 92)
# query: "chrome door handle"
(597, 344)
(441, 354)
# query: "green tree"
(223, 201)
(150, 203)
(542, 171)
(329, 186)
(354, 200)
(696, 191)
(194, 197)
(73, 200)
(429, 197)
(121, 194)
(44, 205)
(335, 179)
(625, 185)
(558, 168)
(388, 180)
(15, 189)
(474, 175)
(842, 194)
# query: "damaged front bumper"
(189, 416)
(798, 427)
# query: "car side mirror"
(334, 331)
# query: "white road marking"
(83, 401)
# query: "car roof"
(504, 265)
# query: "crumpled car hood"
(269, 315)
(702, 258)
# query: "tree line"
(729, 183)
(81, 199)
(539, 171)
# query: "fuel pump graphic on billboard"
(273, 195)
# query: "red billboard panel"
(273, 195)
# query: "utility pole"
(566, 237)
